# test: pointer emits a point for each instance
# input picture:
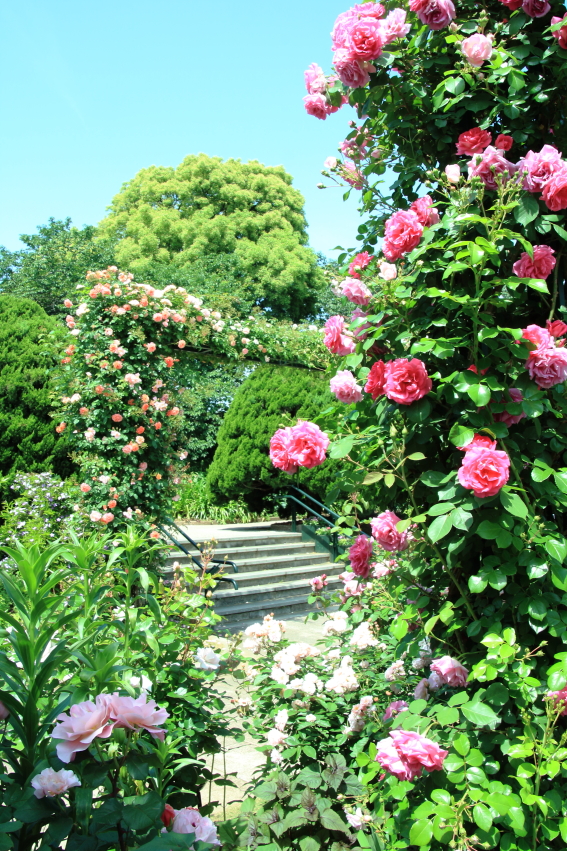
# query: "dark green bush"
(29, 347)
(273, 396)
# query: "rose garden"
(432, 712)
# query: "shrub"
(272, 396)
(196, 502)
(43, 503)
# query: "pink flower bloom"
(477, 48)
(337, 338)
(406, 381)
(345, 388)
(318, 106)
(426, 213)
(137, 714)
(437, 14)
(402, 232)
(557, 328)
(547, 367)
(279, 451)
(484, 471)
(94, 517)
(560, 699)
(539, 168)
(360, 262)
(116, 418)
(537, 335)
(450, 671)
(560, 35)
(394, 25)
(49, 783)
(356, 291)
(453, 173)
(364, 40)
(360, 556)
(421, 691)
(86, 722)
(511, 419)
(512, 5)
(151, 347)
(351, 174)
(541, 266)
(376, 381)
(352, 73)
(536, 8)
(369, 10)
(308, 444)
(555, 190)
(490, 164)
(315, 80)
(387, 271)
(385, 533)
(503, 142)
(132, 378)
(318, 582)
(405, 754)
(190, 820)
(108, 517)
(85, 488)
(4, 711)
(481, 440)
(394, 709)
(473, 141)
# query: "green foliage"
(53, 262)
(271, 397)
(28, 356)
(40, 512)
(206, 208)
(196, 502)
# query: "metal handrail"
(310, 510)
(312, 498)
(195, 560)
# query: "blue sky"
(92, 92)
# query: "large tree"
(53, 262)
(206, 207)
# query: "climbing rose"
(426, 213)
(137, 714)
(557, 328)
(490, 164)
(86, 722)
(337, 338)
(351, 73)
(503, 142)
(279, 451)
(402, 232)
(376, 379)
(473, 141)
(394, 25)
(541, 266)
(345, 388)
(539, 167)
(555, 190)
(511, 419)
(360, 262)
(394, 709)
(49, 782)
(536, 8)
(318, 106)
(484, 471)
(477, 48)
(406, 381)
(437, 14)
(315, 80)
(190, 820)
(560, 35)
(406, 753)
(450, 671)
(385, 533)
(356, 291)
(364, 40)
(360, 555)
(308, 444)
(85, 488)
(537, 335)
(453, 173)
(547, 367)
(352, 175)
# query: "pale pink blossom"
(450, 670)
(387, 271)
(345, 388)
(275, 737)
(539, 167)
(132, 378)
(338, 339)
(318, 582)
(49, 783)
(437, 14)
(315, 80)
(406, 753)
(453, 173)
(352, 175)
(394, 709)
(489, 166)
(85, 488)
(137, 714)
(95, 516)
(421, 691)
(85, 722)
(394, 25)
(331, 163)
(477, 48)
(385, 533)
(356, 291)
(189, 820)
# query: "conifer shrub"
(273, 396)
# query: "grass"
(197, 503)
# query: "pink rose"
(536, 8)
(547, 367)
(560, 35)
(555, 190)
(387, 271)
(450, 671)
(352, 73)
(560, 699)
(538, 168)
(453, 173)
(394, 709)
(337, 338)
(318, 582)
(511, 419)
(490, 164)
(352, 175)
(345, 388)
(49, 783)
(426, 213)
(376, 381)
(318, 106)
(473, 141)
(360, 262)
(537, 335)
(484, 471)
(315, 80)
(421, 691)
(541, 266)
(481, 440)
(138, 714)
(503, 142)
(557, 328)
(86, 722)
(85, 488)
(406, 753)
(385, 533)
(369, 10)
(477, 48)
(360, 556)
(341, 28)
(356, 291)
(406, 381)
(190, 820)
(512, 5)
(365, 40)
(279, 451)
(437, 14)
(402, 232)
(331, 163)
(308, 444)
(394, 25)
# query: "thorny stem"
(555, 286)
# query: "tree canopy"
(206, 207)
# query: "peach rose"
(137, 714)
(86, 722)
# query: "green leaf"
(534, 284)
(421, 833)
(537, 608)
(488, 530)
(462, 744)
(440, 527)
(480, 714)
(440, 508)
(557, 549)
(480, 394)
(513, 503)
(170, 842)
(526, 211)
(332, 821)
(482, 817)
(448, 715)
(461, 435)
(342, 447)
(143, 812)
(462, 519)
(415, 456)
(477, 584)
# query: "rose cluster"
(301, 445)
(406, 753)
(404, 229)
(547, 363)
(401, 380)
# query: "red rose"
(406, 381)
(473, 141)
(503, 142)
(376, 379)
(168, 815)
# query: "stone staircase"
(274, 569)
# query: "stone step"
(272, 591)
(283, 574)
(268, 562)
(256, 551)
(238, 617)
(248, 540)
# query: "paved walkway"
(231, 531)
